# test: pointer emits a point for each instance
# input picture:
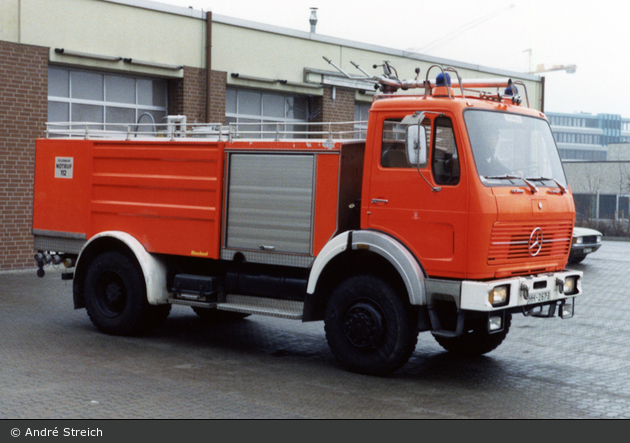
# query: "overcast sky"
(517, 35)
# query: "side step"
(193, 303)
(250, 305)
(273, 307)
(437, 327)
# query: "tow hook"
(40, 258)
(44, 258)
(525, 291)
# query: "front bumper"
(524, 292)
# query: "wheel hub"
(113, 293)
(112, 299)
(363, 325)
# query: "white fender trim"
(333, 248)
(389, 248)
(153, 269)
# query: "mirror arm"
(416, 119)
(433, 188)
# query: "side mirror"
(416, 145)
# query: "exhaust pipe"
(313, 19)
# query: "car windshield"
(514, 149)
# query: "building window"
(259, 109)
(98, 97)
(591, 123)
(607, 206)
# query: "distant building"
(586, 136)
(601, 189)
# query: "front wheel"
(369, 329)
(576, 260)
(115, 296)
(476, 340)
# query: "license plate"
(539, 297)
(587, 250)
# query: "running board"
(273, 307)
(245, 304)
(193, 303)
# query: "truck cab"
(490, 175)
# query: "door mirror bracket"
(416, 144)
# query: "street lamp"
(570, 69)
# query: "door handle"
(380, 200)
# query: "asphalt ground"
(55, 365)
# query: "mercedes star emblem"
(535, 242)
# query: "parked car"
(585, 241)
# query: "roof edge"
(201, 14)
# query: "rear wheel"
(115, 296)
(476, 341)
(369, 329)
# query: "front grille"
(589, 239)
(510, 241)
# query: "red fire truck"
(450, 214)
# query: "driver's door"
(404, 200)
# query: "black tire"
(476, 341)
(115, 296)
(216, 316)
(575, 260)
(369, 328)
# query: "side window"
(393, 145)
(393, 153)
(444, 158)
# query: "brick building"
(137, 61)
(23, 112)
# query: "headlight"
(599, 238)
(579, 240)
(567, 308)
(570, 285)
(495, 323)
(499, 295)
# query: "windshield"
(510, 149)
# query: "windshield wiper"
(562, 188)
(532, 186)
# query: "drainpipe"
(208, 65)
(542, 95)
